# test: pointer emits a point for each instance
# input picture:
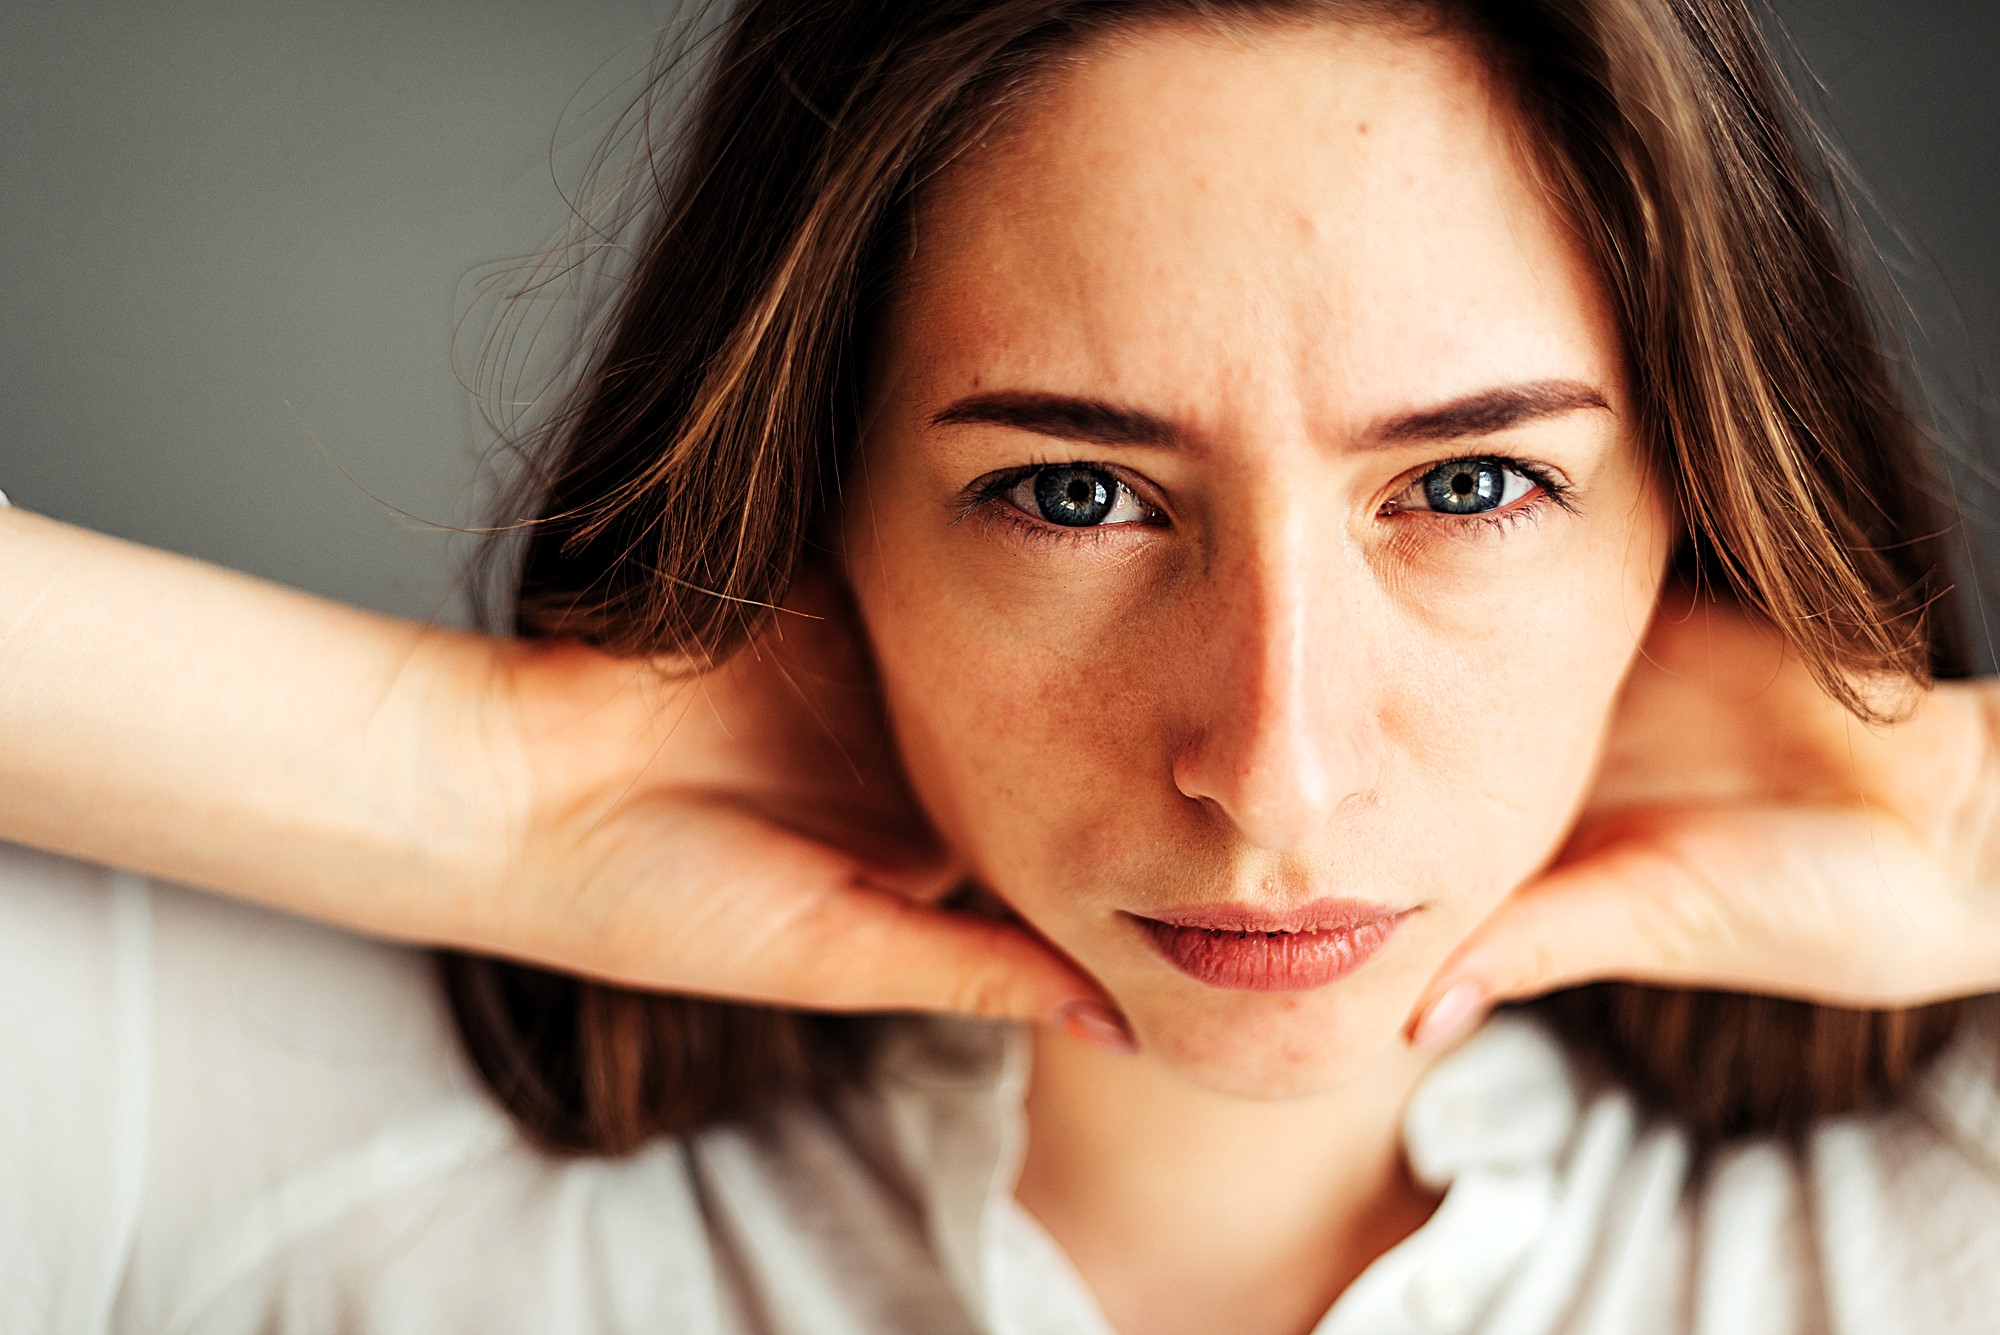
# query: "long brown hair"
(673, 490)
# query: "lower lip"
(1250, 961)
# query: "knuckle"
(1684, 920)
(1540, 969)
(988, 992)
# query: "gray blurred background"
(243, 241)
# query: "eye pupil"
(1465, 486)
(1074, 496)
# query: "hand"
(1748, 833)
(741, 832)
(744, 832)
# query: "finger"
(1632, 899)
(920, 880)
(1748, 898)
(750, 910)
(890, 954)
(1570, 928)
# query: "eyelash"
(1552, 491)
(986, 493)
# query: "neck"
(1189, 1210)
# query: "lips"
(1242, 949)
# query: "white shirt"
(223, 1120)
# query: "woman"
(1323, 492)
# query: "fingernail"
(1450, 1015)
(1095, 1023)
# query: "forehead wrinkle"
(1065, 294)
(1047, 207)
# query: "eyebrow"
(1064, 417)
(1098, 422)
(1493, 410)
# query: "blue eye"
(1075, 496)
(1470, 486)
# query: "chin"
(1266, 1046)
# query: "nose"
(1281, 726)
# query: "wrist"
(444, 788)
(529, 745)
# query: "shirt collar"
(1485, 1126)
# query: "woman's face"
(1250, 530)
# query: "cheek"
(1492, 763)
(1040, 729)
(1501, 715)
(1018, 745)
(1042, 738)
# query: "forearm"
(197, 724)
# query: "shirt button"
(1440, 1301)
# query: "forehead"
(1340, 213)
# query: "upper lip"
(1319, 915)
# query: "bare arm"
(168, 715)
(547, 802)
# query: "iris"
(1465, 486)
(1074, 496)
